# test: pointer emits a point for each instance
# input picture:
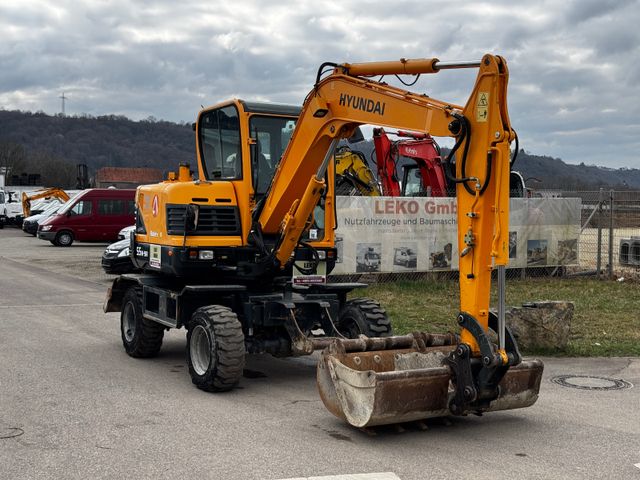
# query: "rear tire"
(215, 348)
(141, 338)
(364, 316)
(64, 239)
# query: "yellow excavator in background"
(239, 254)
(353, 175)
(54, 192)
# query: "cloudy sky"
(575, 64)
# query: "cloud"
(574, 66)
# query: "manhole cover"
(589, 382)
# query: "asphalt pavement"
(73, 405)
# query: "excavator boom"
(49, 192)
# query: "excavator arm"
(353, 174)
(409, 378)
(49, 192)
(347, 98)
(386, 163)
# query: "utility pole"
(63, 99)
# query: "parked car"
(94, 215)
(116, 259)
(126, 232)
(31, 223)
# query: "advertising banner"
(418, 234)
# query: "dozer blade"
(396, 382)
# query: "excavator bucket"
(379, 381)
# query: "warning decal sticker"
(482, 107)
(155, 256)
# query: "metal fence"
(608, 242)
(610, 235)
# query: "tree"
(12, 158)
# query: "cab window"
(219, 143)
(271, 136)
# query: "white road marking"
(637, 465)
(52, 305)
(353, 476)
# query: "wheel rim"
(129, 322)
(65, 239)
(200, 350)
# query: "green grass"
(605, 321)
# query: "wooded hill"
(52, 146)
(32, 142)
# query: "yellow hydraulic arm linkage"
(484, 376)
(49, 192)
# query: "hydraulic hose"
(515, 154)
(465, 134)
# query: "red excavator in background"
(426, 176)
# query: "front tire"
(141, 338)
(64, 238)
(215, 348)
(364, 316)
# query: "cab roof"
(275, 108)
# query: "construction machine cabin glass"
(220, 144)
(412, 182)
(271, 136)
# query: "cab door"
(80, 219)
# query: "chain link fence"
(610, 235)
(607, 245)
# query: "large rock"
(541, 324)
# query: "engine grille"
(212, 220)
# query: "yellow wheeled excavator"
(239, 253)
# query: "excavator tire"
(364, 316)
(141, 338)
(215, 348)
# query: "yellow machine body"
(234, 223)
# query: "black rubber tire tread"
(148, 335)
(59, 243)
(227, 348)
(364, 316)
